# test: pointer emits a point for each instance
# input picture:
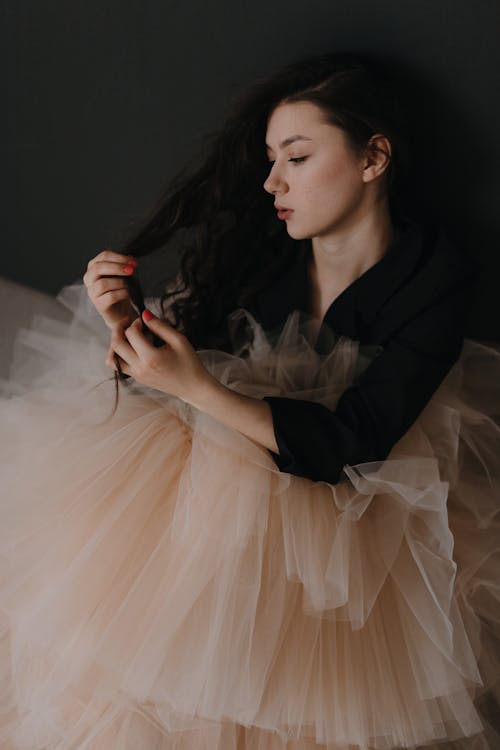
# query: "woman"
(285, 535)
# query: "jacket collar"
(362, 299)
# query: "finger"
(107, 300)
(102, 269)
(163, 330)
(121, 367)
(116, 330)
(111, 255)
(111, 284)
(110, 360)
(121, 346)
(140, 343)
(115, 363)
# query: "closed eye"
(296, 159)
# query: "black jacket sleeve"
(377, 409)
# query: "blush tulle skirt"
(163, 586)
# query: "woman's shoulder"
(444, 263)
(442, 272)
(433, 302)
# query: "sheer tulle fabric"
(163, 585)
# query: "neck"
(340, 258)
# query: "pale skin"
(337, 200)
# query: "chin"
(298, 234)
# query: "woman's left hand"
(174, 368)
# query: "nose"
(273, 182)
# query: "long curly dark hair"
(237, 245)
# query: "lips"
(284, 213)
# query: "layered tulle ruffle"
(164, 586)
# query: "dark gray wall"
(106, 100)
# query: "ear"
(378, 157)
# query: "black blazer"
(412, 303)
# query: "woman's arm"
(306, 438)
(250, 416)
(375, 411)
(176, 369)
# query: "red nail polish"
(128, 268)
(147, 315)
(133, 263)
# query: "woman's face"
(317, 176)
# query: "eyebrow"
(290, 140)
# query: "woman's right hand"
(106, 285)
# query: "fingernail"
(129, 268)
(133, 263)
(147, 315)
